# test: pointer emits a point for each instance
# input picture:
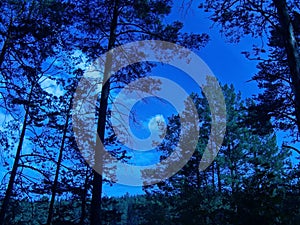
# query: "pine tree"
(280, 73)
(249, 168)
(112, 23)
(28, 40)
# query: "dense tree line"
(251, 181)
(45, 46)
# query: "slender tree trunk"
(83, 197)
(292, 51)
(232, 176)
(55, 183)
(13, 174)
(96, 214)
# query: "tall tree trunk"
(59, 160)
(13, 174)
(96, 215)
(292, 51)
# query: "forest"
(217, 157)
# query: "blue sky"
(223, 58)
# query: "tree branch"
(291, 147)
